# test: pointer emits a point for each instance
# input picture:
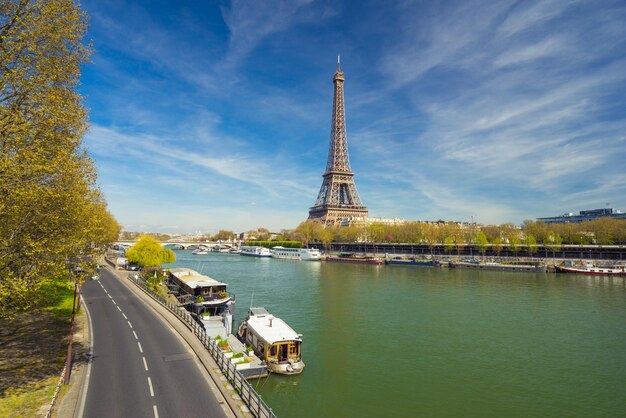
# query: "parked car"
(133, 267)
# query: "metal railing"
(249, 396)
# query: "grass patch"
(32, 352)
(59, 299)
(28, 401)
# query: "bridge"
(183, 245)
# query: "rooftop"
(194, 279)
(260, 320)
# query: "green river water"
(404, 341)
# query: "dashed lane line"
(145, 363)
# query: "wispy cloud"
(498, 110)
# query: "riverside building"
(584, 215)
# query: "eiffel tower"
(338, 197)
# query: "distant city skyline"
(217, 115)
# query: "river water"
(404, 341)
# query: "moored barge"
(529, 268)
(273, 341)
(351, 258)
(590, 268)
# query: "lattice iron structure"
(338, 197)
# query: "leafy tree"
(553, 241)
(497, 245)
(514, 244)
(531, 244)
(481, 242)
(51, 210)
(223, 235)
(448, 244)
(309, 231)
(326, 237)
(149, 253)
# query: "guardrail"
(252, 399)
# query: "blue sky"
(216, 115)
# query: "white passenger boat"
(305, 254)
(255, 251)
(273, 341)
(200, 251)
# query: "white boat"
(255, 251)
(306, 254)
(589, 268)
(200, 251)
(234, 251)
(273, 341)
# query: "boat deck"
(256, 368)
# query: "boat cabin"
(273, 341)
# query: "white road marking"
(151, 390)
(119, 309)
(156, 413)
(135, 334)
(129, 324)
(145, 365)
(109, 296)
(114, 303)
(140, 349)
(124, 315)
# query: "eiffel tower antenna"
(338, 197)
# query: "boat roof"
(259, 322)
(194, 279)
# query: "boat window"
(293, 348)
(273, 350)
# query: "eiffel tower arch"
(338, 197)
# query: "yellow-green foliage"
(50, 206)
(148, 252)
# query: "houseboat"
(413, 262)
(254, 251)
(352, 258)
(304, 254)
(207, 299)
(589, 268)
(273, 341)
(528, 268)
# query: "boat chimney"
(271, 318)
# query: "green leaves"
(51, 209)
(148, 252)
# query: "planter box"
(228, 354)
(241, 366)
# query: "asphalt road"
(140, 366)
